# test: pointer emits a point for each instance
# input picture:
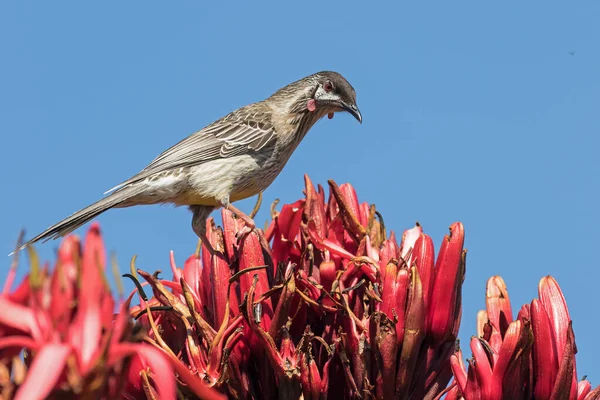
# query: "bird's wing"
(242, 131)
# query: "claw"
(242, 233)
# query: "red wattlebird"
(235, 157)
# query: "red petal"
(584, 387)
(459, 371)
(251, 256)
(192, 274)
(401, 290)
(498, 304)
(389, 250)
(314, 208)
(18, 317)
(484, 368)
(545, 364)
(554, 302)
(388, 295)
(449, 274)
(423, 257)
(414, 333)
(162, 370)
(44, 372)
(563, 386)
(409, 238)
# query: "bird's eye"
(328, 86)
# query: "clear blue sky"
(475, 113)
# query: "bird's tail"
(85, 215)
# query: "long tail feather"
(85, 215)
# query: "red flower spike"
(208, 261)
(473, 388)
(348, 209)
(285, 362)
(584, 387)
(554, 302)
(251, 256)
(452, 394)
(383, 338)
(528, 364)
(86, 330)
(551, 297)
(389, 251)
(414, 333)
(314, 208)
(350, 198)
(402, 283)
(498, 304)
(192, 275)
(94, 255)
(507, 353)
(389, 293)
(484, 369)
(219, 280)
(379, 319)
(83, 355)
(282, 311)
(545, 361)
(310, 377)
(459, 370)
(285, 231)
(364, 213)
(563, 387)
(423, 256)
(231, 226)
(448, 282)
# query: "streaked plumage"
(233, 158)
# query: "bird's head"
(323, 93)
(333, 93)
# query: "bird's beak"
(353, 109)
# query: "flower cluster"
(322, 303)
(530, 357)
(60, 337)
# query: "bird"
(233, 158)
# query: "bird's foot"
(249, 227)
(242, 233)
(248, 221)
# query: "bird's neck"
(293, 113)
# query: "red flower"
(327, 305)
(530, 357)
(63, 324)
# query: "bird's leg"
(200, 213)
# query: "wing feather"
(243, 131)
